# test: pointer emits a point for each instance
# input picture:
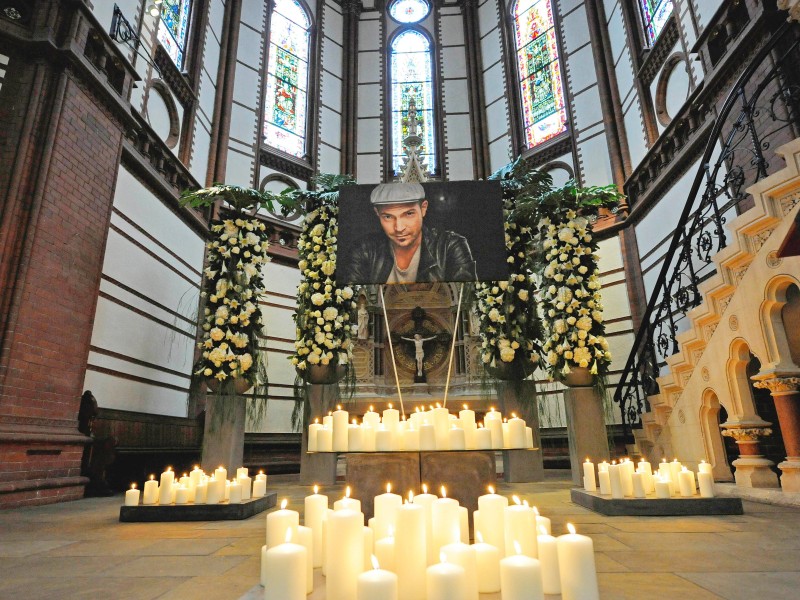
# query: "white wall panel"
(487, 16)
(454, 62)
(452, 30)
(595, 162)
(331, 92)
(369, 35)
(494, 83)
(491, 48)
(456, 98)
(587, 108)
(243, 123)
(576, 30)
(459, 166)
(247, 84)
(329, 159)
(369, 168)
(500, 153)
(458, 131)
(369, 136)
(330, 126)
(497, 119)
(369, 100)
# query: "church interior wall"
(370, 136)
(330, 115)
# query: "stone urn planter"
(516, 370)
(323, 374)
(579, 377)
(240, 385)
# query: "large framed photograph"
(417, 233)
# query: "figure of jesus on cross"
(419, 351)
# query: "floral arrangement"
(325, 317)
(232, 322)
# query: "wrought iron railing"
(759, 114)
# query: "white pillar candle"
(602, 467)
(132, 496)
(165, 487)
(576, 563)
(516, 432)
(263, 579)
(367, 438)
(285, 572)
(325, 440)
(674, 470)
(187, 483)
(411, 439)
(341, 419)
(615, 474)
(312, 436)
(487, 559)
(495, 427)
(639, 490)
(235, 492)
(588, 476)
(200, 492)
(305, 539)
(355, 438)
(492, 507)
(261, 476)
(247, 486)
(315, 507)
(227, 490)
(528, 437)
(446, 523)
(605, 482)
(383, 439)
(663, 469)
(441, 424)
(195, 475)
(377, 584)
(626, 477)
(457, 439)
(686, 482)
(410, 548)
(279, 522)
(242, 472)
(347, 503)
(221, 473)
(384, 550)
(345, 553)
(548, 557)
(426, 500)
(706, 482)
(467, 418)
(259, 488)
(386, 506)
(705, 467)
(662, 487)
(371, 418)
(181, 494)
(543, 522)
(463, 555)
(445, 581)
(520, 529)
(463, 521)
(325, 539)
(645, 467)
(483, 439)
(215, 492)
(391, 421)
(427, 437)
(369, 546)
(327, 422)
(506, 436)
(521, 578)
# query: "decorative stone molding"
(759, 239)
(779, 385)
(733, 322)
(773, 260)
(788, 202)
(747, 434)
(793, 6)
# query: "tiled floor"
(80, 550)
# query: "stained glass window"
(409, 11)
(411, 66)
(173, 27)
(542, 91)
(655, 14)
(287, 78)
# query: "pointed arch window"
(541, 89)
(287, 78)
(654, 16)
(173, 27)
(411, 73)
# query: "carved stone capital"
(793, 6)
(352, 7)
(779, 385)
(747, 434)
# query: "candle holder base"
(656, 507)
(153, 513)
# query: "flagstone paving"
(80, 550)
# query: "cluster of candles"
(424, 430)
(198, 488)
(623, 479)
(418, 548)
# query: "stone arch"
(712, 436)
(780, 322)
(742, 406)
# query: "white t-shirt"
(408, 275)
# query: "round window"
(409, 11)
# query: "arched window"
(173, 27)
(287, 78)
(654, 16)
(411, 73)
(541, 89)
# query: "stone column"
(786, 393)
(752, 469)
(521, 466)
(586, 425)
(319, 468)
(223, 433)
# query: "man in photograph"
(408, 251)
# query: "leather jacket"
(444, 256)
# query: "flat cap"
(397, 193)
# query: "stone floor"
(80, 550)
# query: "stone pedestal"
(521, 466)
(318, 468)
(785, 390)
(752, 469)
(465, 474)
(586, 429)
(223, 435)
(368, 474)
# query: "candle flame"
(491, 408)
(133, 486)
(480, 425)
(375, 564)
(388, 488)
(410, 496)
(338, 407)
(355, 421)
(152, 477)
(261, 472)
(170, 468)
(515, 498)
(196, 468)
(513, 415)
(505, 419)
(390, 405)
(438, 405)
(542, 530)
(479, 537)
(663, 460)
(444, 492)
(702, 461)
(571, 528)
(490, 488)
(347, 492)
(684, 469)
(316, 420)
(370, 408)
(316, 489)
(288, 537)
(674, 460)
(442, 556)
(185, 474)
(424, 488)
(535, 511)
(284, 502)
(525, 504)
(466, 407)
(587, 460)
(517, 547)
